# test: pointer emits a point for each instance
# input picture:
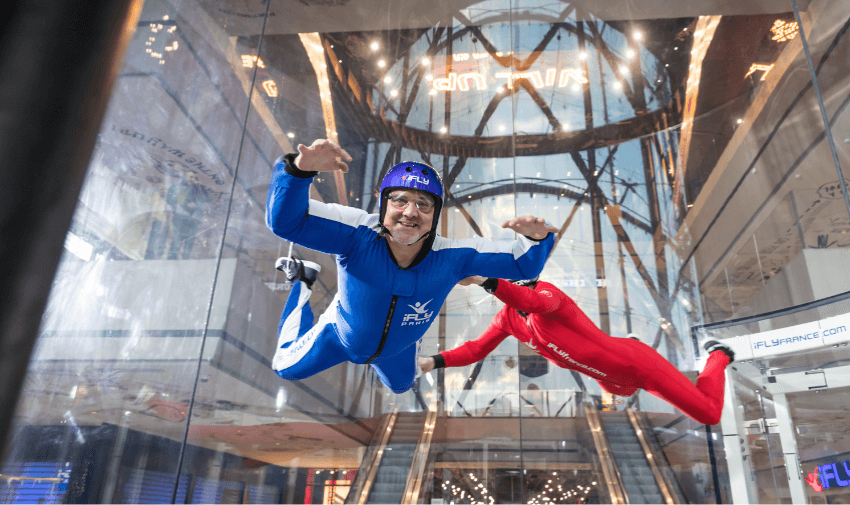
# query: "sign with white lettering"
(793, 339)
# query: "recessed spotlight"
(374, 46)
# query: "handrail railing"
(613, 479)
(420, 459)
(370, 464)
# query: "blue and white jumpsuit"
(380, 311)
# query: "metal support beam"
(738, 461)
(789, 449)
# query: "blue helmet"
(412, 175)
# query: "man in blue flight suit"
(394, 271)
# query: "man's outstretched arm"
(290, 213)
(522, 258)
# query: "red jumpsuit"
(559, 331)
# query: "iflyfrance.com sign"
(793, 339)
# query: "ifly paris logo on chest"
(420, 314)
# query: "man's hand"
(530, 226)
(475, 279)
(322, 156)
(426, 364)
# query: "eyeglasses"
(400, 201)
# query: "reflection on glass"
(680, 152)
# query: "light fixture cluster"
(784, 31)
(478, 494)
(156, 28)
(555, 493)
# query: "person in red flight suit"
(548, 321)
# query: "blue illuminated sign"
(832, 474)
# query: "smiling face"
(404, 219)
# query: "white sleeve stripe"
(482, 245)
(340, 213)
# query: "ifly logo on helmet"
(412, 178)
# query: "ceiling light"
(394, 93)
(382, 63)
(387, 79)
(426, 61)
(374, 46)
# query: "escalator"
(630, 458)
(393, 468)
(635, 471)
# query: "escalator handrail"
(420, 458)
(652, 457)
(370, 464)
(613, 479)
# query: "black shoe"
(714, 345)
(298, 270)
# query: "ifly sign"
(829, 475)
(825, 332)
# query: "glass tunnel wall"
(680, 151)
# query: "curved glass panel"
(679, 150)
